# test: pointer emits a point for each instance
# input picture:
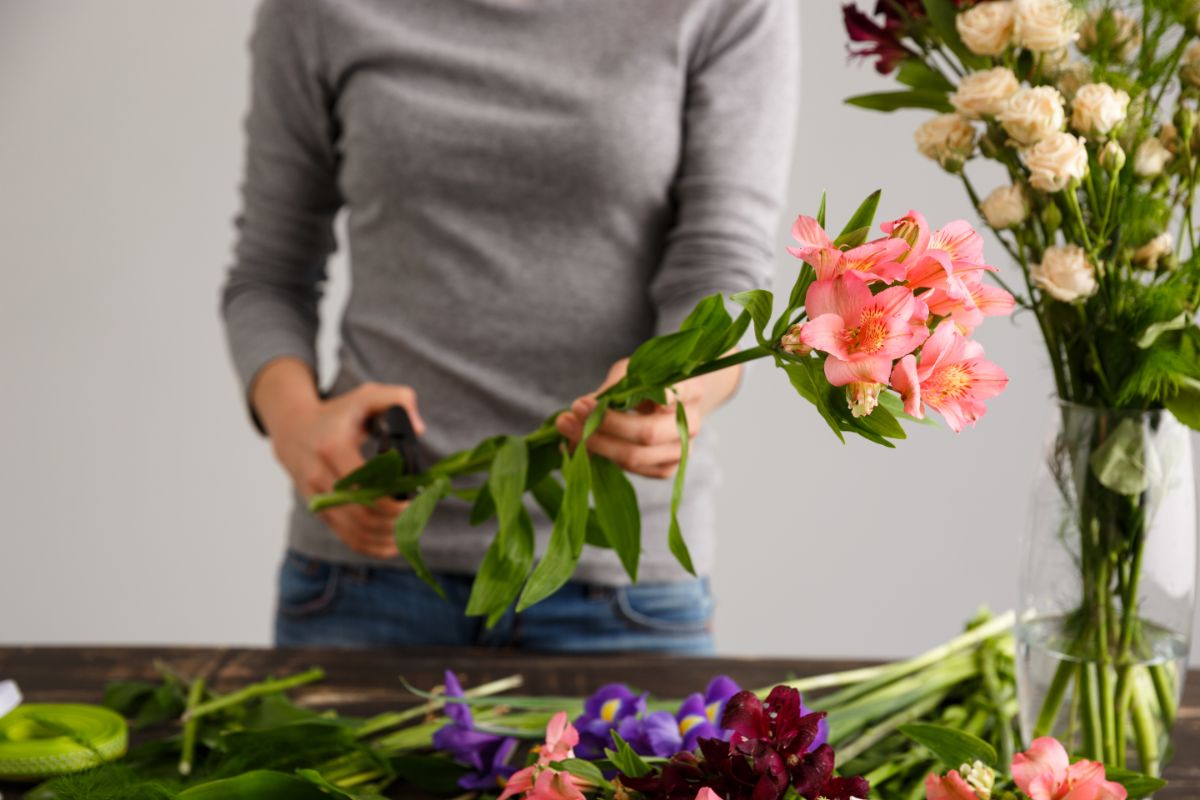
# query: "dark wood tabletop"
(364, 682)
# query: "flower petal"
(1044, 763)
(871, 369)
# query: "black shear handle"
(394, 430)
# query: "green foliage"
(759, 304)
(617, 512)
(951, 746)
(411, 524)
(624, 759)
(1135, 783)
(675, 540)
(931, 99)
(567, 537)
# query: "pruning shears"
(394, 430)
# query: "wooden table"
(365, 682)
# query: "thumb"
(375, 398)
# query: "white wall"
(139, 508)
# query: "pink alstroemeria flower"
(540, 781)
(948, 787)
(951, 376)
(862, 333)
(874, 261)
(976, 301)
(1044, 772)
(706, 793)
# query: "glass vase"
(1107, 586)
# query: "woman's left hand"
(646, 440)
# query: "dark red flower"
(773, 745)
(881, 42)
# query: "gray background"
(138, 506)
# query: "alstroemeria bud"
(863, 398)
(790, 342)
(1052, 218)
(980, 777)
(1152, 252)
(1112, 157)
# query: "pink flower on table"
(862, 333)
(951, 786)
(706, 793)
(951, 376)
(540, 781)
(874, 261)
(1044, 772)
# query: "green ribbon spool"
(41, 740)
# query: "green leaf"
(1135, 783)
(317, 779)
(657, 360)
(808, 378)
(435, 774)
(895, 101)
(882, 422)
(484, 508)
(381, 472)
(617, 512)
(759, 303)
(596, 536)
(952, 747)
(510, 555)
(714, 322)
(864, 216)
(821, 209)
(1122, 463)
(943, 14)
(411, 524)
(256, 785)
(917, 74)
(1185, 405)
(675, 540)
(567, 537)
(582, 769)
(624, 759)
(505, 566)
(804, 279)
(1151, 334)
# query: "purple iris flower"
(664, 734)
(604, 712)
(485, 753)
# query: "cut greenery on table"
(896, 727)
(864, 319)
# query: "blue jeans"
(321, 603)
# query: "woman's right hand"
(319, 441)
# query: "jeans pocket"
(307, 586)
(683, 608)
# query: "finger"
(641, 429)
(388, 507)
(369, 538)
(570, 426)
(632, 457)
(379, 397)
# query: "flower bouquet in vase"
(1090, 110)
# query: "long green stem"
(881, 730)
(187, 756)
(395, 719)
(871, 678)
(252, 691)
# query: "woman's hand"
(646, 440)
(319, 441)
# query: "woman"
(533, 188)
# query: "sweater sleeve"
(289, 196)
(739, 120)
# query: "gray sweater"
(533, 188)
